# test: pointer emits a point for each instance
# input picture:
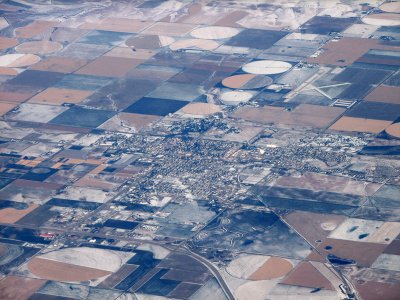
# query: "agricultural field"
(199, 149)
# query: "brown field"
(318, 110)
(306, 275)
(37, 184)
(24, 60)
(381, 19)
(8, 71)
(90, 161)
(56, 96)
(371, 290)
(346, 51)
(165, 28)
(231, 19)
(379, 60)
(109, 66)
(386, 94)
(322, 182)
(266, 114)
(6, 107)
(362, 252)
(360, 125)
(201, 109)
(14, 97)
(38, 47)
(237, 81)
(91, 181)
(390, 7)
(118, 24)
(394, 130)
(393, 248)
(19, 288)
(316, 257)
(313, 226)
(96, 170)
(54, 270)
(274, 267)
(59, 64)
(12, 215)
(137, 120)
(6, 42)
(30, 163)
(34, 29)
(117, 277)
(303, 115)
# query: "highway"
(213, 271)
(183, 249)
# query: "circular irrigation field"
(266, 67)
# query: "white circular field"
(235, 97)
(214, 32)
(385, 19)
(77, 264)
(95, 258)
(266, 67)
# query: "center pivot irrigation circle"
(394, 130)
(214, 32)
(392, 7)
(384, 19)
(18, 60)
(246, 81)
(235, 97)
(267, 67)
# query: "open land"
(198, 150)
